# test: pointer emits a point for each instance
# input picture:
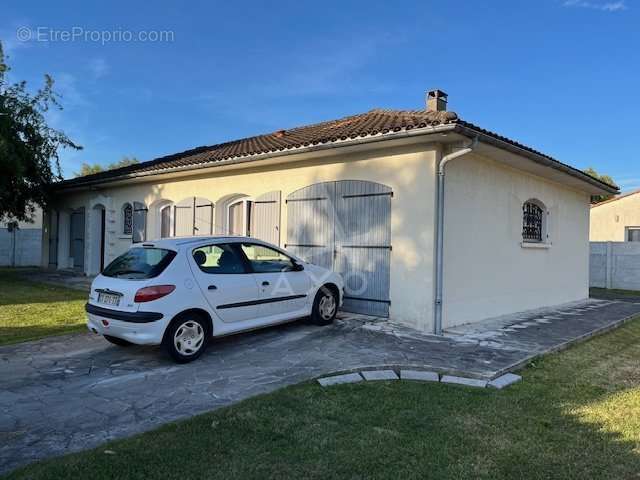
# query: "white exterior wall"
(409, 171)
(487, 271)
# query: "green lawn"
(30, 310)
(575, 416)
(612, 293)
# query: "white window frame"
(626, 233)
(245, 218)
(546, 241)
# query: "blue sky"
(561, 76)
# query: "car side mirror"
(297, 267)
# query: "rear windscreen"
(139, 263)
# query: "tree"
(90, 169)
(29, 147)
(603, 178)
(124, 162)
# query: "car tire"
(186, 337)
(325, 306)
(121, 342)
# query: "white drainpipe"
(437, 324)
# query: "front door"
(53, 238)
(346, 226)
(165, 222)
(77, 238)
(103, 228)
(230, 289)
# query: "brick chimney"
(436, 101)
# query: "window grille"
(532, 222)
(127, 219)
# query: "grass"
(30, 310)
(576, 415)
(612, 293)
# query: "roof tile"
(373, 122)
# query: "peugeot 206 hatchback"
(179, 292)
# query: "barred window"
(533, 218)
(127, 219)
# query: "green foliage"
(90, 169)
(604, 178)
(29, 147)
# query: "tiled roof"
(373, 122)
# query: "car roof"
(176, 242)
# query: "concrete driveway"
(74, 392)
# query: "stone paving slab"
(373, 375)
(419, 375)
(467, 382)
(74, 392)
(340, 379)
(504, 381)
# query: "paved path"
(74, 392)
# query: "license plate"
(108, 299)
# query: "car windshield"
(140, 263)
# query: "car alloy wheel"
(188, 338)
(327, 306)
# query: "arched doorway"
(346, 226)
(160, 220)
(232, 213)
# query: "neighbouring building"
(21, 242)
(615, 243)
(616, 219)
(362, 195)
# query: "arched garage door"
(346, 226)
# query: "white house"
(432, 220)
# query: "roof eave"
(539, 158)
(430, 130)
(461, 128)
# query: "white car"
(179, 292)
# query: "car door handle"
(265, 283)
(212, 287)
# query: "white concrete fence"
(20, 247)
(615, 265)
